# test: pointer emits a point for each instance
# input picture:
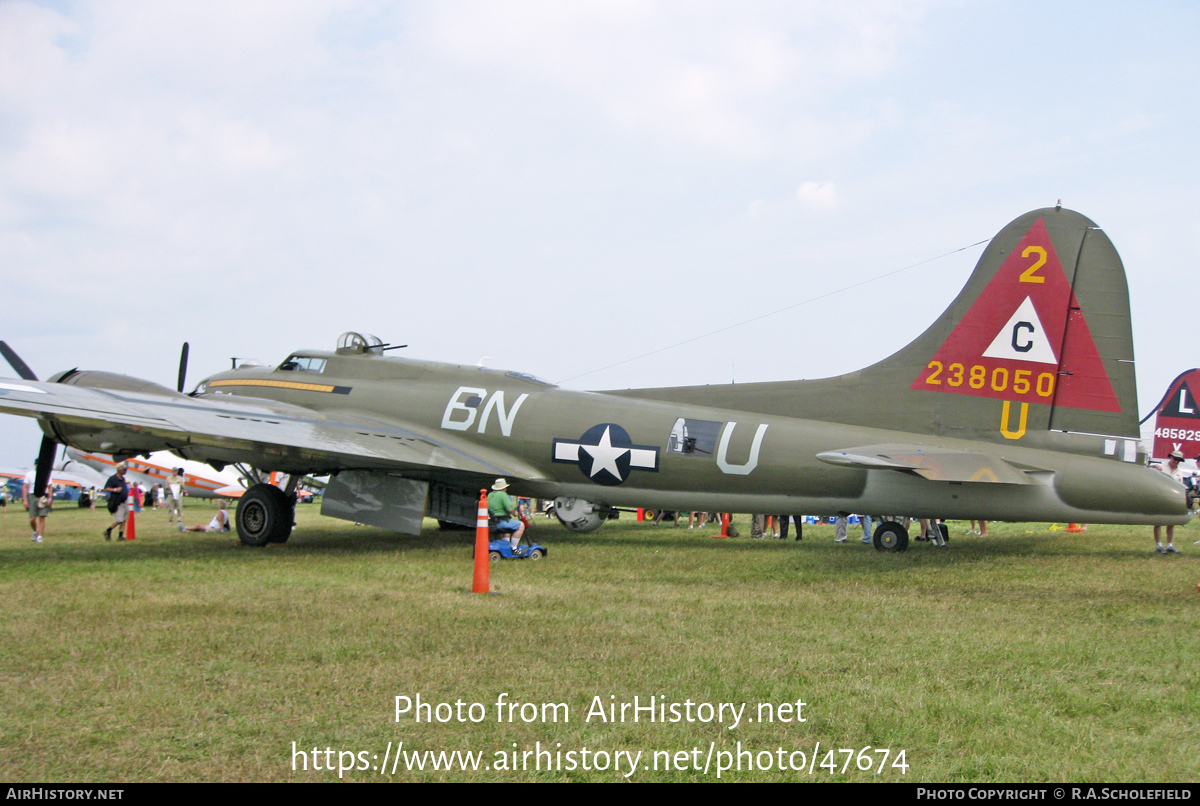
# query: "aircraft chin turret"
(580, 516)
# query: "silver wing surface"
(266, 434)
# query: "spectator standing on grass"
(783, 525)
(839, 529)
(28, 497)
(175, 497)
(118, 501)
(524, 513)
(865, 522)
(1172, 468)
(37, 505)
(659, 516)
(1194, 495)
(759, 527)
(1192, 483)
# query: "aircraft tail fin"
(1038, 340)
(1043, 328)
(1176, 425)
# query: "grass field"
(1030, 655)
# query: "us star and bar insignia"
(606, 454)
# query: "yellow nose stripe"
(305, 387)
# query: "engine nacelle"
(111, 380)
(580, 516)
(120, 441)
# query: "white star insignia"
(605, 460)
(605, 456)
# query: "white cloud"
(818, 195)
(658, 68)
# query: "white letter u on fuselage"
(739, 470)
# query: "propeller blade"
(15, 360)
(49, 449)
(183, 358)
(45, 463)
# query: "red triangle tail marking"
(1030, 275)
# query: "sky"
(559, 188)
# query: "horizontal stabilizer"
(935, 464)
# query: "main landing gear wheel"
(264, 515)
(890, 536)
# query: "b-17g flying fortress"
(921, 265)
(1018, 403)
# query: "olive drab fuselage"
(623, 451)
(1018, 403)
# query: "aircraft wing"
(935, 464)
(289, 437)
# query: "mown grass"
(1030, 655)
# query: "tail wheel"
(264, 515)
(890, 536)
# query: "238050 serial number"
(977, 377)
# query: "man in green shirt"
(505, 509)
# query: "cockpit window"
(299, 363)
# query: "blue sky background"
(560, 186)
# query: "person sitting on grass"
(219, 523)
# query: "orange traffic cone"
(482, 583)
(131, 525)
(1073, 528)
(724, 525)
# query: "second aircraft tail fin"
(1176, 425)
